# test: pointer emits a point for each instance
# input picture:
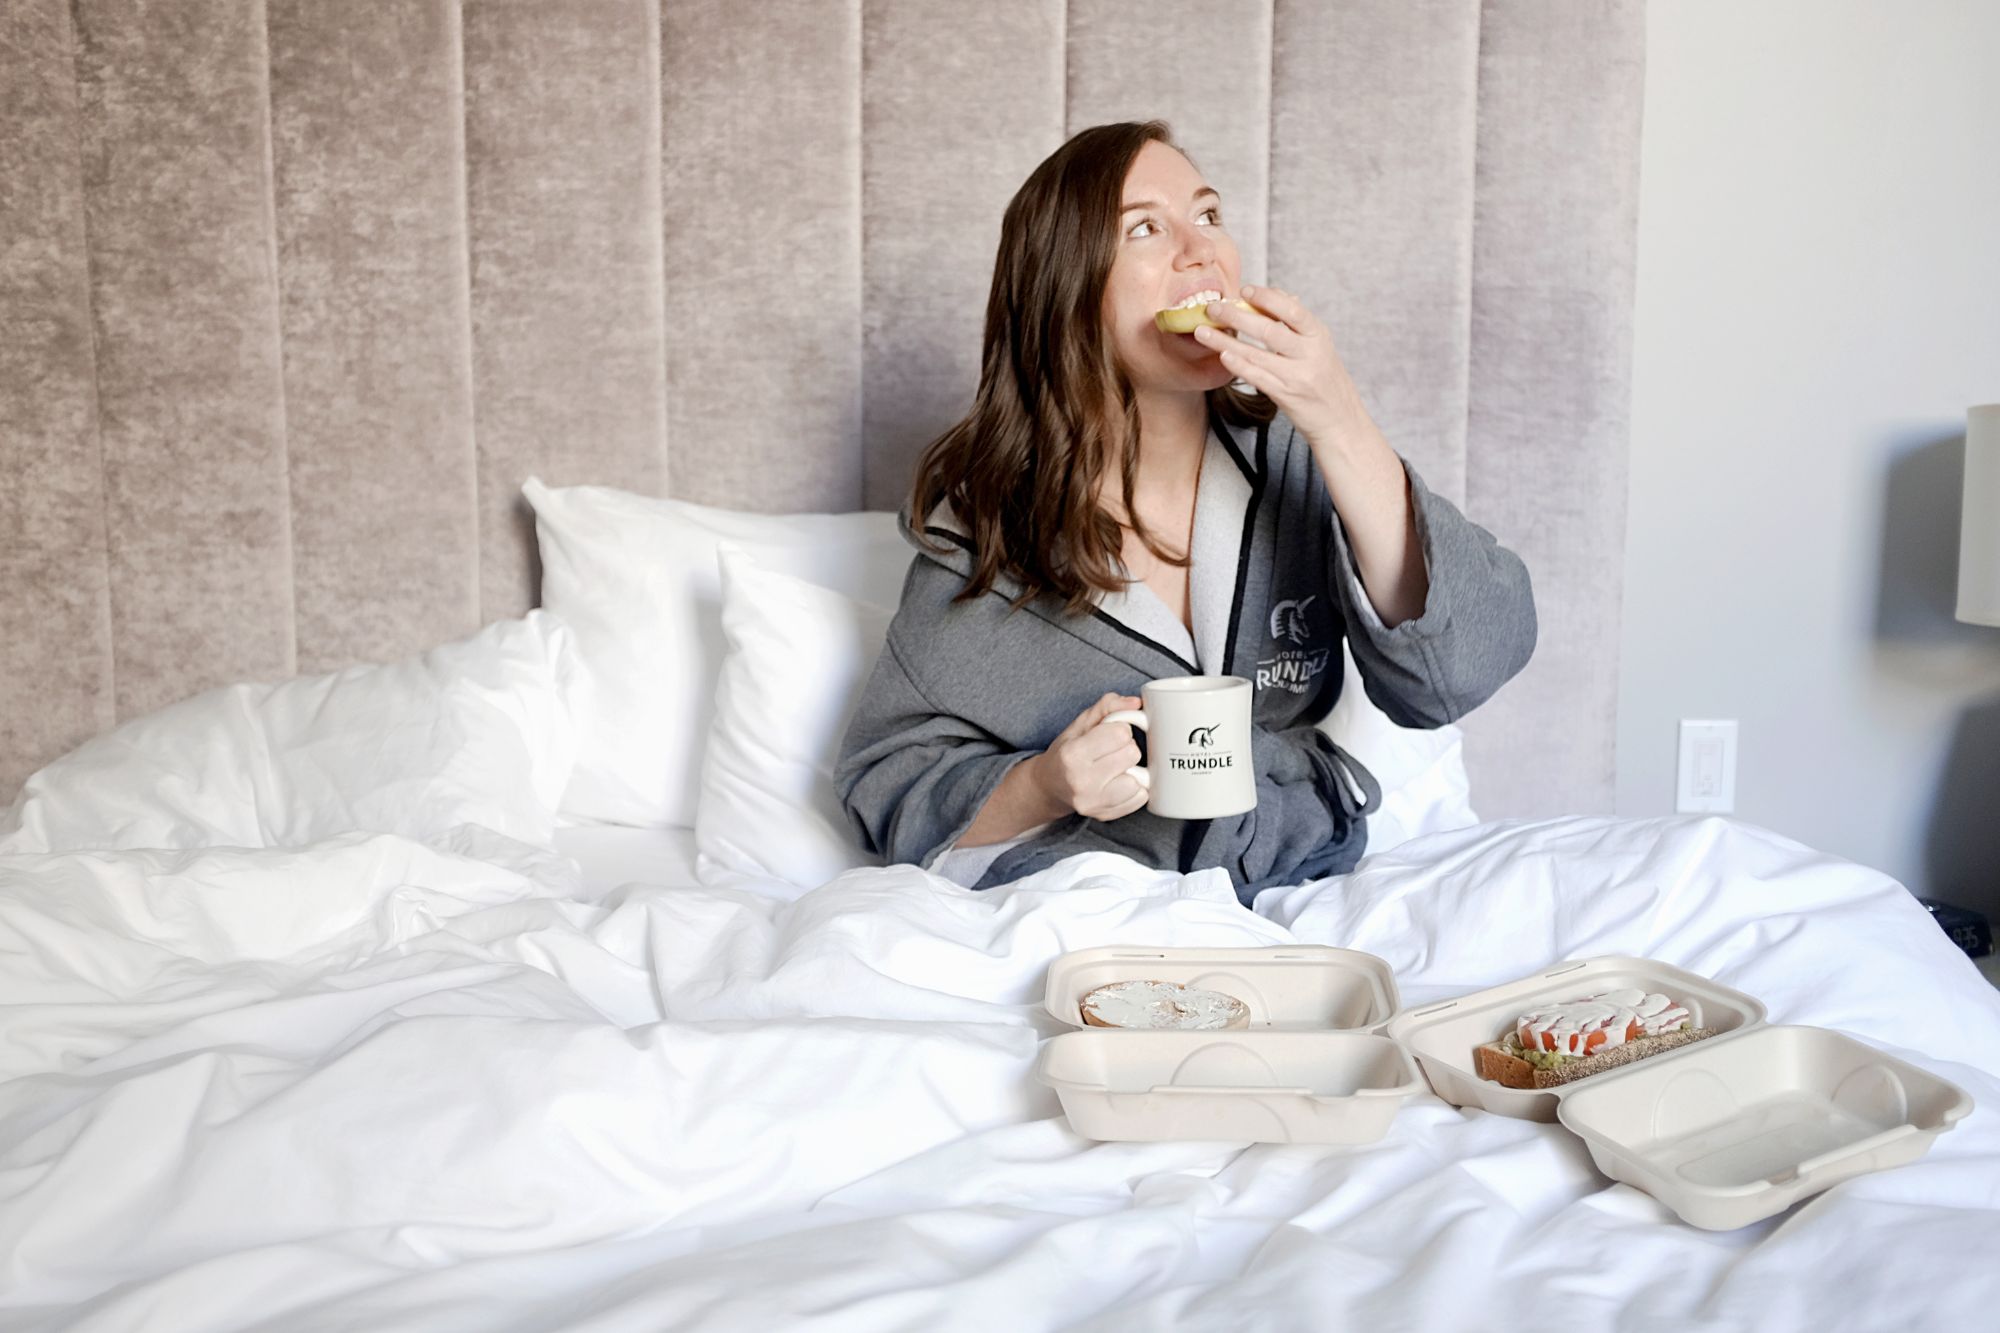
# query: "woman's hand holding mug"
(1085, 768)
(1201, 753)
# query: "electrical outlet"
(1708, 767)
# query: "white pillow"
(636, 578)
(1424, 784)
(798, 658)
(474, 732)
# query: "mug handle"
(1135, 718)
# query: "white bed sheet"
(612, 855)
(374, 1083)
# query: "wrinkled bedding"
(397, 1083)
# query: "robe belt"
(1339, 776)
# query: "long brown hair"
(1022, 470)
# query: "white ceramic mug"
(1197, 745)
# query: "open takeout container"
(1724, 1131)
(1312, 1067)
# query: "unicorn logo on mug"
(1203, 736)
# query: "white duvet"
(381, 1083)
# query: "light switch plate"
(1707, 782)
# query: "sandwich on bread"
(1561, 1043)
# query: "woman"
(1113, 510)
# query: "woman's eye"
(1215, 214)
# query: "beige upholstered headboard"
(295, 294)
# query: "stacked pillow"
(728, 651)
(639, 582)
(798, 657)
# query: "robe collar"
(1134, 625)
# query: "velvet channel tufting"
(295, 294)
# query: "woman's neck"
(1173, 432)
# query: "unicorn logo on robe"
(1288, 620)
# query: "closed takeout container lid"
(1724, 1131)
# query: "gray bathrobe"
(964, 691)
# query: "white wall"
(1818, 302)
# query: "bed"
(381, 1082)
(421, 909)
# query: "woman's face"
(1171, 245)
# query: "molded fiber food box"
(1724, 1131)
(1311, 1068)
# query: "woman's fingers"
(1106, 740)
(1092, 755)
(1096, 713)
(1106, 706)
(1265, 369)
(1282, 305)
(1279, 337)
(1125, 794)
(1115, 798)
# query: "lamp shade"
(1979, 527)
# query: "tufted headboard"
(296, 294)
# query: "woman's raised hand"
(1084, 768)
(1297, 367)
